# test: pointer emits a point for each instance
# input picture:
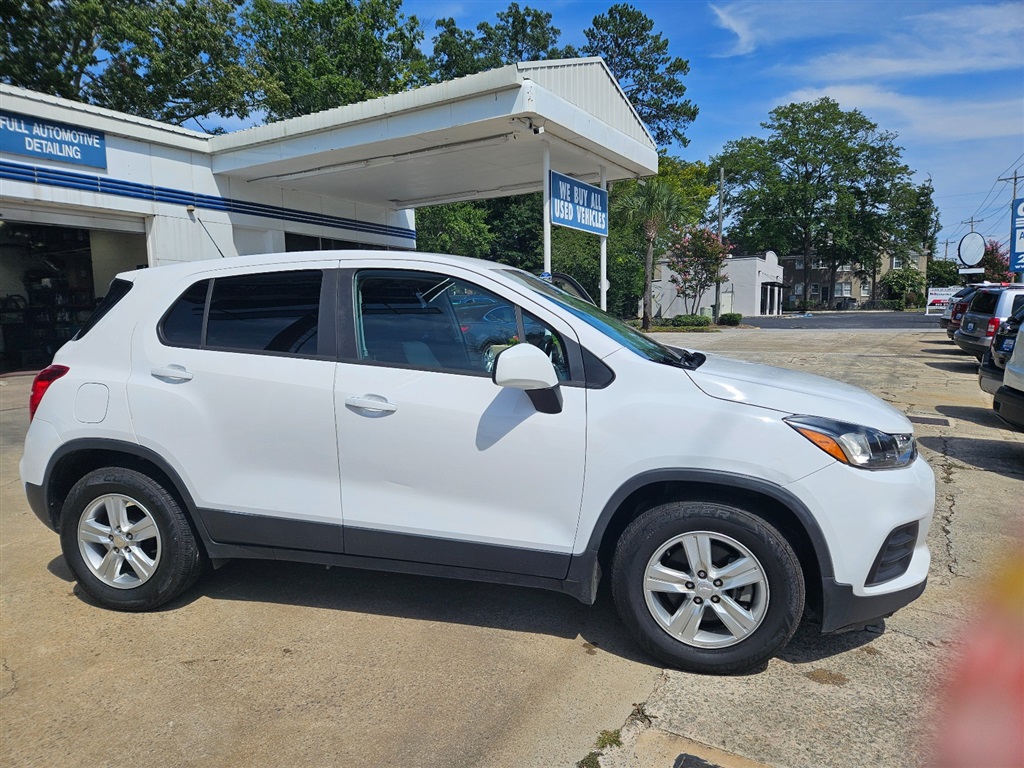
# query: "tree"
(904, 284)
(653, 205)
(943, 274)
(518, 34)
(314, 55)
(162, 59)
(696, 255)
(820, 171)
(649, 75)
(996, 262)
(458, 228)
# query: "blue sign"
(578, 205)
(1017, 236)
(42, 139)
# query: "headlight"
(855, 445)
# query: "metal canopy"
(476, 137)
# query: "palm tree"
(654, 204)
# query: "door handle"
(371, 403)
(172, 372)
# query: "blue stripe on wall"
(55, 177)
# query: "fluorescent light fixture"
(419, 202)
(374, 162)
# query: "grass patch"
(593, 760)
(607, 739)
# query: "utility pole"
(718, 277)
(1020, 275)
(972, 221)
(945, 254)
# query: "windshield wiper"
(687, 359)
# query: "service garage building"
(87, 192)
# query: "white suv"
(370, 410)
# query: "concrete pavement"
(294, 665)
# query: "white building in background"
(753, 288)
(87, 192)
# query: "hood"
(795, 393)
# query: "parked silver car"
(987, 310)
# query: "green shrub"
(691, 321)
(730, 318)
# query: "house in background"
(754, 287)
(853, 283)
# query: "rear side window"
(183, 325)
(117, 291)
(271, 312)
(277, 312)
(1018, 304)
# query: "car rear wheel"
(127, 541)
(707, 587)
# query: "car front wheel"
(707, 587)
(127, 541)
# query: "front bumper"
(1008, 403)
(844, 610)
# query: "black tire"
(154, 558)
(773, 603)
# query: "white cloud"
(760, 23)
(965, 39)
(924, 118)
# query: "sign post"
(1017, 236)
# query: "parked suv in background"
(331, 407)
(988, 308)
(990, 372)
(1009, 399)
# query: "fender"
(725, 480)
(119, 446)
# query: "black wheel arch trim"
(725, 480)
(120, 446)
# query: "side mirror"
(525, 367)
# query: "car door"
(235, 387)
(439, 464)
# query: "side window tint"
(540, 335)
(432, 321)
(275, 312)
(1018, 303)
(117, 291)
(183, 324)
(409, 318)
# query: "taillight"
(41, 383)
(993, 325)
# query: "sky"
(947, 77)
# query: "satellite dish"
(971, 249)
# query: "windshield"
(612, 327)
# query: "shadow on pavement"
(948, 350)
(985, 417)
(809, 645)
(998, 456)
(59, 568)
(424, 598)
(967, 365)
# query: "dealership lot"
(287, 664)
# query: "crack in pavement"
(946, 520)
(8, 672)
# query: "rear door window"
(275, 312)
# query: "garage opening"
(50, 280)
